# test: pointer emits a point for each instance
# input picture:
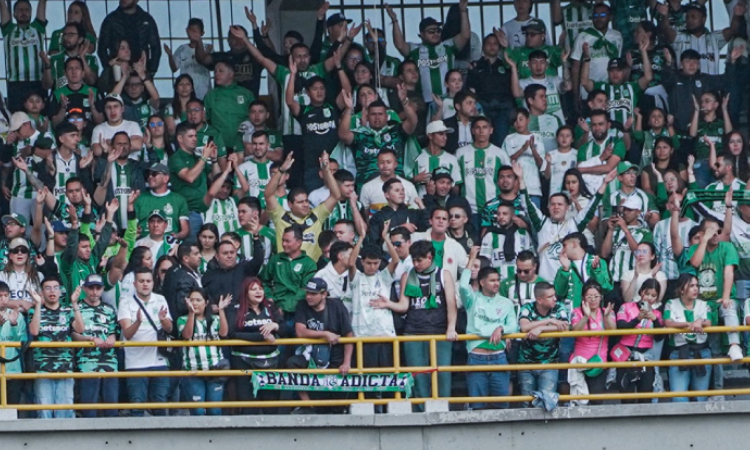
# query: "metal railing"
(433, 369)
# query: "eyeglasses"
(434, 31)
(593, 297)
(599, 15)
(18, 250)
(155, 124)
(75, 119)
(51, 288)
(193, 110)
(456, 216)
(525, 271)
(354, 58)
(70, 34)
(134, 85)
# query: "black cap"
(316, 285)
(617, 63)
(428, 22)
(441, 172)
(336, 19)
(159, 168)
(696, 6)
(93, 280)
(44, 143)
(534, 26)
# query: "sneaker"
(716, 398)
(303, 410)
(735, 353)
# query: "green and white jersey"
(647, 140)
(21, 186)
(617, 198)
(512, 144)
(57, 67)
(205, 357)
(492, 248)
(267, 235)
(99, 321)
(740, 237)
(342, 210)
(519, 292)
(714, 131)
(520, 55)
(602, 48)
(427, 162)
(545, 129)
(257, 174)
(621, 99)
(172, 204)
(676, 311)
(223, 214)
(663, 244)
(22, 48)
(120, 180)
(623, 259)
(593, 149)
(552, 83)
(479, 167)
(433, 62)
(158, 248)
(289, 125)
(64, 170)
(55, 325)
(718, 206)
(576, 17)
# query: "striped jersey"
(120, 180)
(267, 235)
(342, 210)
(623, 258)
(433, 63)
(552, 83)
(520, 292)
(21, 186)
(512, 144)
(740, 237)
(663, 244)
(708, 45)
(64, 170)
(257, 174)
(576, 17)
(223, 214)
(57, 67)
(492, 248)
(205, 357)
(621, 99)
(617, 197)
(479, 167)
(718, 206)
(22, 48)
(289, 125)
(427, 162)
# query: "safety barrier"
(433, 369)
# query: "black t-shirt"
(319, 130)
(419, 319)
(333, 318)
(247, 70)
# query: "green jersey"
(76, 99)
(22, 48)
(204, 357)
(479, 168)
(519, 292)
(55, 325)
(521, 57)
(626, 15)
(433, 63)
(269, 242)
(342, 210)
(57, 67)
(284, 277)
(617, 197)
(576, 17)
(427, 162)
(592, 149)
(193, 192)
(647, 140)
(226, 109)
(368, 143)
(715, 132)
(99, 321)
(207, 133)
(623, 258)
(711, 270)
(542, 351)
(22, 188)
(222, 213)
(621, 99)
(289, 125)
(172, 204)
(55, 42)
(257, 174)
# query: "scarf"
(602, 43)
(377, 135)
(509, 246)
(414, 289)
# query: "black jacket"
(220, 282)
(398, 217)
(139, 29)
(491, 82)
(176, 287)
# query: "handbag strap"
(148, 316)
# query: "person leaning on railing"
(687, 311)
(12, 329)
(643, 314)
(592, 317)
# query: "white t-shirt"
(106, 131)
(402, 268)
(516, 37)
(513, 142)
(561, 162)
(366, 320)
(599, 57)
(627, 277)
(318, 196)
(338, 284)
(373, 198)
(143, 357)
(552, 83)
(184, 57)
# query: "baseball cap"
(316, 285)
(44, 143)
(21, 220)
(159, 168)
(157, 213)
(17, 119)
(437, 126)
(633, 202)
(624, 166)
(18, 242)
(93, 280)
(428, 22)
(336, 19)
(617, 63)
(696, 6)
(58, 226)
(113, 97)
(441, 172)
(534, 26)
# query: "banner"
(369, 382)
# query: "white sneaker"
(735, 353)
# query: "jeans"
(152, 389)
(195, 219)
(54, 392)
(99, 390)
(486, 384)
(418, 355)
(566, 349)
(537, 380)
(203, 389)
(682, 380)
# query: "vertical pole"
(3, 381)
(217, 5)
(360, 365)
(433, 367)
(397, 361)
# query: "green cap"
(624, 166)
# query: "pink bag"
(619, 353)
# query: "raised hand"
(323, 10)
(250, 14)
(163, 313)
(391, 13)
(113, 206)
(190, 307)
(225, 301)
(287, 164)
(167, 50)
(75, 296)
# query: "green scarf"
(413, 288)
(377, 135)
(603, 43)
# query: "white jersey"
(552, 83)
(338, 284)
(222, 213)
(373, 198)
(20, 285)
(599, 57)
(366, 320)
(560, 164)
(513, 142)
(158, 248)
(143, 357)
(663, 244)
(492, 248)
(257, 175)
(106, 131)
(184, 57)
(479, 168)
(513, 30)
(427, 163)
(708, 45)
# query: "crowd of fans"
(466, 185)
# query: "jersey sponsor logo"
(19, 293)
(240, 100)
(256, 322)
(433, 63)
(308, 237)
(321, 128)
(122, 191)
(216, 218)
(168, 209)
(59, 191)
(479, 172)
(54, 328)
(24, 41)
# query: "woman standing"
(578, 192)
(208, 240)
(689, 313)
(22, 275)
(645, 268)
(176, 112)
(78, 12)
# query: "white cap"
(438, 126)
(633, 202)
(17, 119)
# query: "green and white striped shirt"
(433, 62)
(223, 214)
(289, 125)
(576, 17)
(427, 162)
(22, 48)
(663, 244)
(65, 170)
(492, 248)
(623, 259)
(257, 174)
(479, 167)
(201, 358)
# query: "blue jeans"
(195, 219)
(418, 355)
(537, 380)
(683, 380)
(54, 392)
(486, 384)
(99, 390)
(152, 389)
(566, 349)
(203, 389)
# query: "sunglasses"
(456, 216)
(599, 15)
(397, 244)
(18, 250)
(525, 271)
(381, 40)
(156, 124)
(153, 174)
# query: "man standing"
(113, 111)
(395, 213)
(227, 277)
(256, 171)
(434, 156)
(601, 154)
(624, 232)
(227, 105)
(627, 175)
(160, 197)
(74, 43)
(604, 44)
(141, 317)
(157, 240)
(577, 266)
(372, 196)
(182, 279)
(24, 41)
(462, 123)
(129, 21)
(449, 254)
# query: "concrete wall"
(617, 427)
